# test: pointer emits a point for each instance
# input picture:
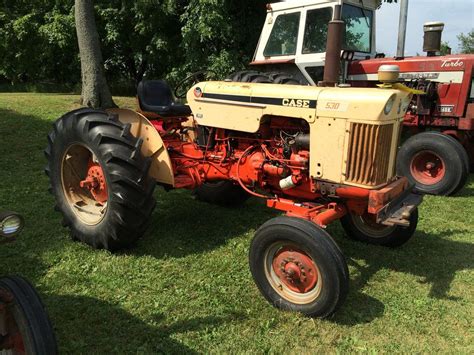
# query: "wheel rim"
(427, 167)
(84, 184)
(12, 337)
(368, 226)
(293, 274)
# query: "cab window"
(316, 30)
(284, 36)
(358, 34)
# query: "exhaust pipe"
(402, 28)
(332, 66)
(432, 38)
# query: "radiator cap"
(389, 73)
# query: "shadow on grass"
(183, 226)
(434, 259)
(468, 189)
(89, 325)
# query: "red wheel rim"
(84, 184)
(95, 182)
(295, 269)
(427, 167)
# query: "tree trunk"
(95, 91)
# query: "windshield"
(316, 30)
(284, 36)
(358, 34)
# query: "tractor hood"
(241, 106)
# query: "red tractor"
(440, 151)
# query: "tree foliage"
(151, 38)
(466, 42)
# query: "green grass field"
(186, 286)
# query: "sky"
(457, 15)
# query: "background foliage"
(151, 38)
(159, 38)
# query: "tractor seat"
(154, 96)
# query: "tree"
(466, 42)
(445, 48)
(95, 90)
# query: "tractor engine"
(274, 159)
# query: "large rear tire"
(99, 178)
(436, 163)
(252, 76)
(24, 324)
(224, 193)
(283, 78)
(364, 229)
(298, 267)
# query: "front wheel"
(436, 163)
(298, 267)
(24, 324)
(364, 228)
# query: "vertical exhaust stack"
(432, 39)
(402, 28)
(332, 66)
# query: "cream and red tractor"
(439, 125)
(319, 154)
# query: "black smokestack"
(332, 66)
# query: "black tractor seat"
(154, 96)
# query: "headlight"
(11, 224)
(389, 105)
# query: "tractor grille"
(369, 153)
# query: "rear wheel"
(298, 267)
(24, 324)
(436, 163)
(283, 78)
(99, 178)
(224, 193)
(365, 229)
(251, 76)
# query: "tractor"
(438, 149)
(317, 153)
(25, 327)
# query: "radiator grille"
(369, 153)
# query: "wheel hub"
(95, 182)
(427, 167)
(295, 269)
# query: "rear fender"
(161, 168)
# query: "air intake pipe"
(432, 37)
(332, 65)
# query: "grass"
(186, 286)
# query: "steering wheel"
(182, 87)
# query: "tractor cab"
(294, 36)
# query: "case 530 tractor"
(319, 154)
(439, 124)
